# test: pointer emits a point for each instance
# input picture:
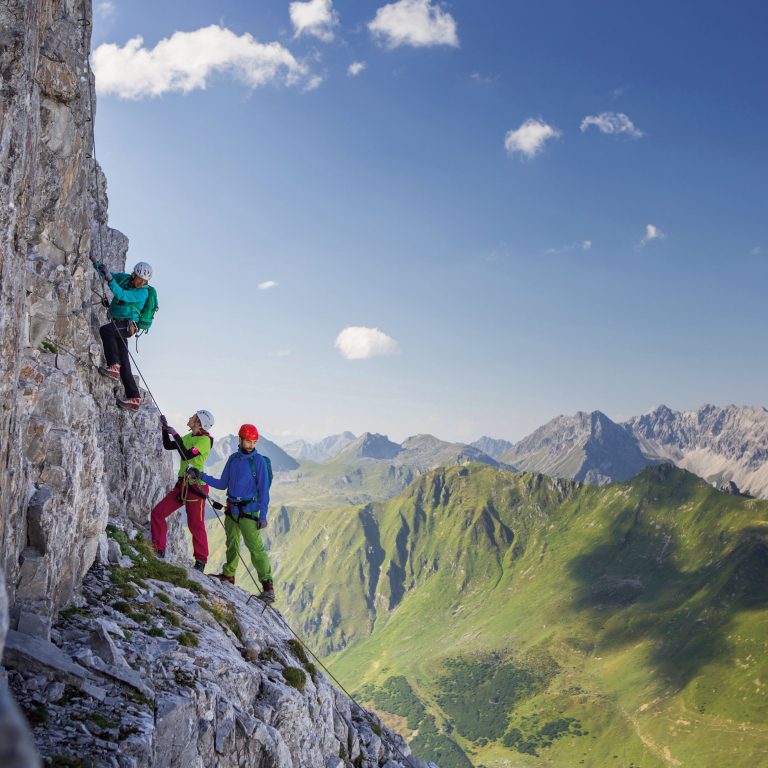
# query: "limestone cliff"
(70, 461)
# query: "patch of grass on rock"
(295, 677)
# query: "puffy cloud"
(267, 284)
(185, 61)
(358, 343)
(315, 17)
(652, 232)
(420, 23)
(612, 122)
(106, 9)
(529, 139)
(586, 245)
(355, 68)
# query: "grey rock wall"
(68, 457)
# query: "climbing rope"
(215, 505)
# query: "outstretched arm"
(221, 483)
(128, 295)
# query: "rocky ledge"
(156, 665)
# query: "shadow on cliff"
(635, 587)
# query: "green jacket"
(127, 302)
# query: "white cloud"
(282, 353)
(529, 139)
(315, 17)
(480, 79)
(314, 82)
(106, 9)
(612, 122)
(358, 343)
(652, 232)
(355, 68)
(267, 284)
(756, 251)
(583, 245)
(420, 23)
(185, 61)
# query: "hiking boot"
(160, 553)
(111, 371)
(129, 403)
(224, 577)
(199, 566)
(268, 595)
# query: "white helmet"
(206, 419)
(143, 270)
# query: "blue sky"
(518, 260)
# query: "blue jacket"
(238, 481)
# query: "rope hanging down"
(86, 47)
(366, 715)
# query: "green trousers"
(250, 532)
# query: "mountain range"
(323, 450)
(720, 444)
(494, 615)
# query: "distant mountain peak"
(321, 451)
(371, 445)
(491, 446)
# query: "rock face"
(716, 443)
(190, 672)
(588, 447)
(68, 457)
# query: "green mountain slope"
(509, 619)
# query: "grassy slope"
(633, 614)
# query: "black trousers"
(115, 341)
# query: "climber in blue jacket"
(246, 479)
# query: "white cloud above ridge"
(418, 23)
(652, 232)
(529, 139)
(267, 284)
(314, 17)
(612, 123)
(355, 68)
(185, 61)
(360, 343)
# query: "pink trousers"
(195, 506)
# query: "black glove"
(216, 504)
(261, 522)
(192, 473)
(164, 423)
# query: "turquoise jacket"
(127, 302)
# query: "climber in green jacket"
(129, 295)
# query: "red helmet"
(248, 432)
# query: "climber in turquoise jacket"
(129, 296)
